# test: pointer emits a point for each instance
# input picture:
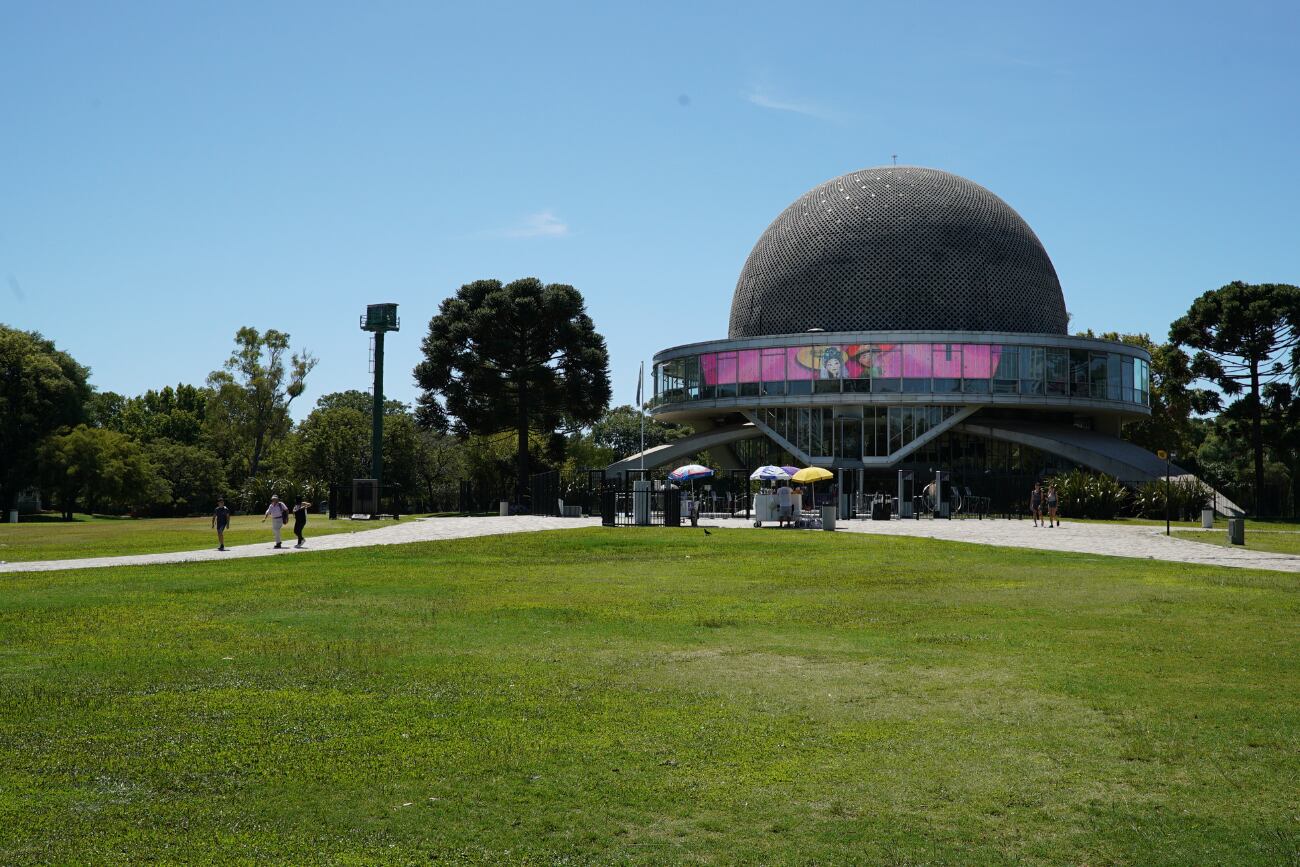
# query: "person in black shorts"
(1036, 504)
(1051, 507)
(300, 521)
(221, 520)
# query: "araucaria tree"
(250, 404)
(514, 357)
(1246, 337)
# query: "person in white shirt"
(278, 512)
(784, 503)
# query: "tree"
(194, 475)
(360, 401)
(401, 452)
(440, 460)
(1246, 337)
(249, 406)
(515, 357)
(175, 414)
(1282, 427)
(619, 430)
(41, 390)
(100, 467)
(334, 444)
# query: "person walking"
(1036, 504)
(1052, 520)
(278, 512)
(300, 521)
(220, 521)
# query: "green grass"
(108, 537)
(652, 697)
(1257, 539)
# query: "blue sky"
(172, 171)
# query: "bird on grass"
(707, 533)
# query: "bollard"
(1237, 531)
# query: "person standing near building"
(784, 505)
(278, 512)
(1052, 520)
(300, 521)
(221, 520)
(1036, 503)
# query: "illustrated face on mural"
(832, 366)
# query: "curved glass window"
(908, 368)
(946, 359)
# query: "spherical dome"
(898, 248)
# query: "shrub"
(1089, 495)
(1187, 496)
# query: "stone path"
(1113, 540)
(412, 530)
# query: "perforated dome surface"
(898, 248)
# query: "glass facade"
(904, 368)
(853, 432)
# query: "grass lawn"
(1257, 539)
(108, 537)
(652, 696)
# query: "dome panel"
(898, 248)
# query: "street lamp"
(1167, 457)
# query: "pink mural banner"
(855, 361)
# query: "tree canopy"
(519, 356)
(1246, 337)
(250, 404)
(619, 430)
(99, 467)
(42, 389)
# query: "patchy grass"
(108, 537)
(652, 696)
(1257, 539)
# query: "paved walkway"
(413, 530)
(1112, 540)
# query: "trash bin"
(828, 517)
(505, 508)
(1237, 531)
(13, 516)
(1207, 519)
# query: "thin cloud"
(543, 224)
(763, 99)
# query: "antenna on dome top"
(895, 158)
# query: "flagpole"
(640, 405)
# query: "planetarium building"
(903, 317)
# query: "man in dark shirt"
(221, 520)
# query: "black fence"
(391, 502)
(625, 504)
(474, 497)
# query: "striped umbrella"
(690, 473)
(769, 474)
